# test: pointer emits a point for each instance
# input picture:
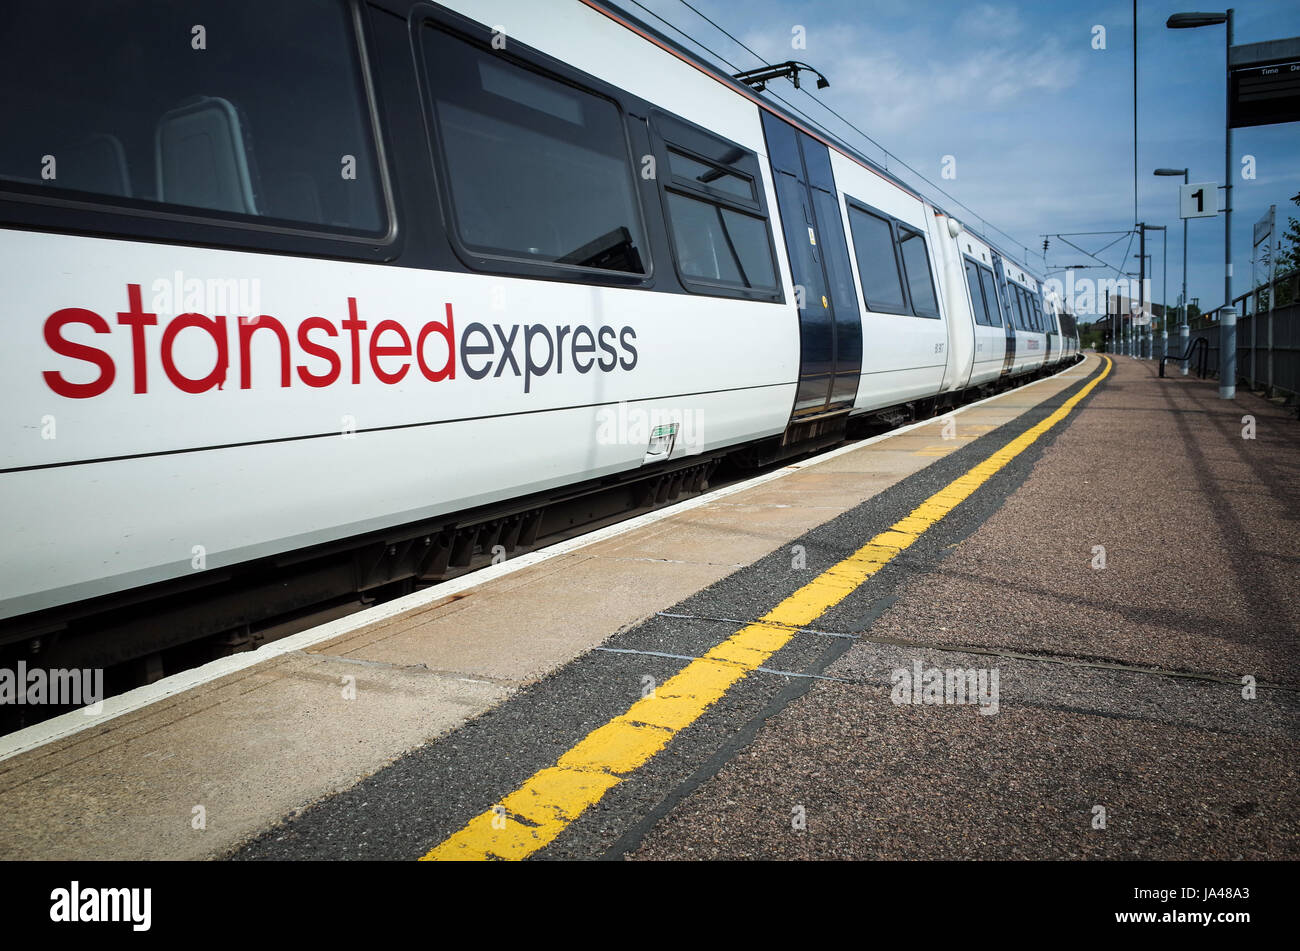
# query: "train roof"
(617, 12)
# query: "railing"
(1198, 345)
(1268, 345)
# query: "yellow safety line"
(539, 810)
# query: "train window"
(536, 169)
(716, 243)
(873, 245)
(991, 298)
(1045, 316)
(916, 262)
(131, 104)
(710, 176)
(1018, 305)
(1031, 315)
(716, 213)
(977, 304)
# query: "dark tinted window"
(710, 176)
(260, 112)
(976, 294)
(1045, 316)
(916, 262)
(835, 253)
(983, 308)
(537, 169)
(1018, 303)
(718, 244)
(1031, 318)
(873, 245)
(991, 297)
(717, 217)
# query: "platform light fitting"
(1188, 21)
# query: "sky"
(1039, 123)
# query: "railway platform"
(1058, 623)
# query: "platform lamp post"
(1142, 339)
(1164, 292)
(1227, 328)
(1182, 328)
(1130, 328)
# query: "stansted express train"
(327, 296)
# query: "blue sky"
(1040, 123)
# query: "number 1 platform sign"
(1198, 200)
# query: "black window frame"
(1022, 307)
(103, 217)
(993, 316)
(672, 133)
(684, 182)
(896, 225)
(1031, 317)
(899, 229)
(426, 16)
(1048, 318)
(1000, 316)
(980, 316)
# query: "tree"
(1288, 261)
(1289, 254)
(1288, 258)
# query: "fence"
(1274, 367)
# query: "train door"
(1004, 298)
(959, 327)
(1048, 320)
(830, 323)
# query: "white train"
(329, 294)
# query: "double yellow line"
(534, 814)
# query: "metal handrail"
(1201, 369)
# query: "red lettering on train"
(216, 328)
(388, 350)
(78, 351)
(137, 320)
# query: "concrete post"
(1228, 352)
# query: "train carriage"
(331, 295)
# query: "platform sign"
(1264, 227)
(1264, 83)
(1198, 200)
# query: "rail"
(1198, 344)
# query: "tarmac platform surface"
(666, 691)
